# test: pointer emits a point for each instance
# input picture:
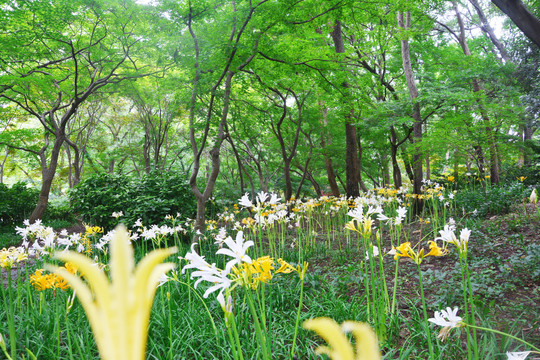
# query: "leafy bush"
(16, 203)
(96, 198)
(150, 198)
(531, 173)
(59, 211)
(495, 200)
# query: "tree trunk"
(351, 160)
(396, 171)
(407, 164)
(47, 178)
(527, 136)
(2, 167)
(520, 15)
(479, 155)
(327, 160)
(405, 24)
(331, 176)
(360, 180)
(489, 30)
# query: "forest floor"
(504, 263)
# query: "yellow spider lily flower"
(284, 267)
(367, 346)
(119, 310)
(405, 250)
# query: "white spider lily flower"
(163, 279)
(375, 252)
(533, 197)
(195, 260)
(245, 202)
(402, 212)
(448, 319)
(274, 199)
(220, 237)
(447, 234)
(382, 217)
(261, 197)
(357, 214)
(464, 236)
(236, 249)
(521, 355)
(213, 275)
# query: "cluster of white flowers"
(204, 271)
(41, 240)
(448, 235)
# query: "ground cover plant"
(270, 179)
(436, 286)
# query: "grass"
(503, 258)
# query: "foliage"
(16, 203)
(59, 212)
(493, 200)
(149, 198)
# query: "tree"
(522, 17)
(54, 58)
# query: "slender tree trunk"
(489, 30)
(407, 164)
(404, 23)
(331, 176)
(396, 171)
(351, 160)
(2, 167)
(479, 155)
(360, 180)
(334, 188)
(238, 161)
(527, 136)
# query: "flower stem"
(258, 330)
(504, 334)
(424, 308)
(11, 323)
(298, 316)
(236, 337)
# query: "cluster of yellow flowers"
(8, 257)
(262, 270)
(42, 281)
(405, 250)
(86, 239)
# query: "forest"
(340, 152)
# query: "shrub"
(16, 203)
(496, 200)
(96, 198)
(59, 211)
(149, 198)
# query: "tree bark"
(327, 160)
(360, 180)
(489, 30)
(522, 17)
(2, 166)
(47, 173)
(351, 159)
(404, 23)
